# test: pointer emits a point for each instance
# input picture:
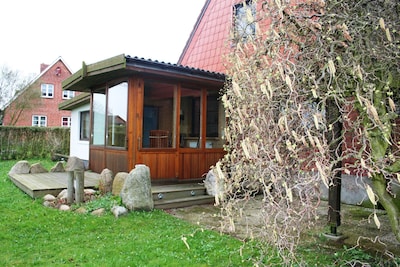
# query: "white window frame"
(38, 119)
(68, 120)
(47, 90)
(67, 94)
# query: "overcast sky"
(35, 32)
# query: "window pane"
(159, 115)
(99, 118)
(215, 121)
(244, 20)
(190, 115)
(117, 115)
(85, 126)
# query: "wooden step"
(180, 195)
(183, 202)
(168, 192)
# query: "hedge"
(33, 142)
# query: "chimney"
(43, 67)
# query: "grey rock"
(213, 184)
(118, 183)
(59, 167)
(136, 192)
(99, 212)
(74, 163)
(105, 181)
(119, 211)
(38, 168)
(21, 167)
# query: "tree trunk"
(393, 212)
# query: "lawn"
(33, 235)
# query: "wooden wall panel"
(96, 162)
(195, 164)
(162, 164)
(117, 161)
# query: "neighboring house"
(166, 116)
(37, 104)
(80, 125)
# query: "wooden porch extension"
(165, 196)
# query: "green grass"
(33, 235)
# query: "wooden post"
(70, 187)
(79, 186)
(335, 138)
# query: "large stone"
(136, 192)
(105, 181)
(38, 168)
(118, 183)
(21, 167)
(59, 167)
(74, 163)
(213, 184)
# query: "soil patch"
(358, 227)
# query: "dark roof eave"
(120, 66)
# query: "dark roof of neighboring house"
(122, 66)
(77, 101)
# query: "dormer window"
(47, 90)
(244, 20)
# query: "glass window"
(39, 121)
(84, 125)
(66, 121)
(159, 115)
(47, 90)
(99, 118)
(66, 94)
(117, 106)
(244, 20)
(190, 118)
(215, 123)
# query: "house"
(166, 116)
(211, 37)
(37, 104)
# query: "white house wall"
(78, 148)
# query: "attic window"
(244, 20)
(47, 90)
(66, 94)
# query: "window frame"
(39, 120)
(67, 94)
(47, 90)
(84, 124)
(68, 121)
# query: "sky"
(35, 32)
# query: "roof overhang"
(94, 75)
(77, 101)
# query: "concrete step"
(183, 202)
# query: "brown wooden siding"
(196, 163)
(162, 163)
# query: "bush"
(33, 142)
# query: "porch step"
(180, 195)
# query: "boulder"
(49, 197)
(136, 192)
(64, 207)
(37, 168)
(119, 211)
(74, 163)
(118, 183)
(214, 186)
(99, 212)
(21, 167)
(105, 181)
(59, 167)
